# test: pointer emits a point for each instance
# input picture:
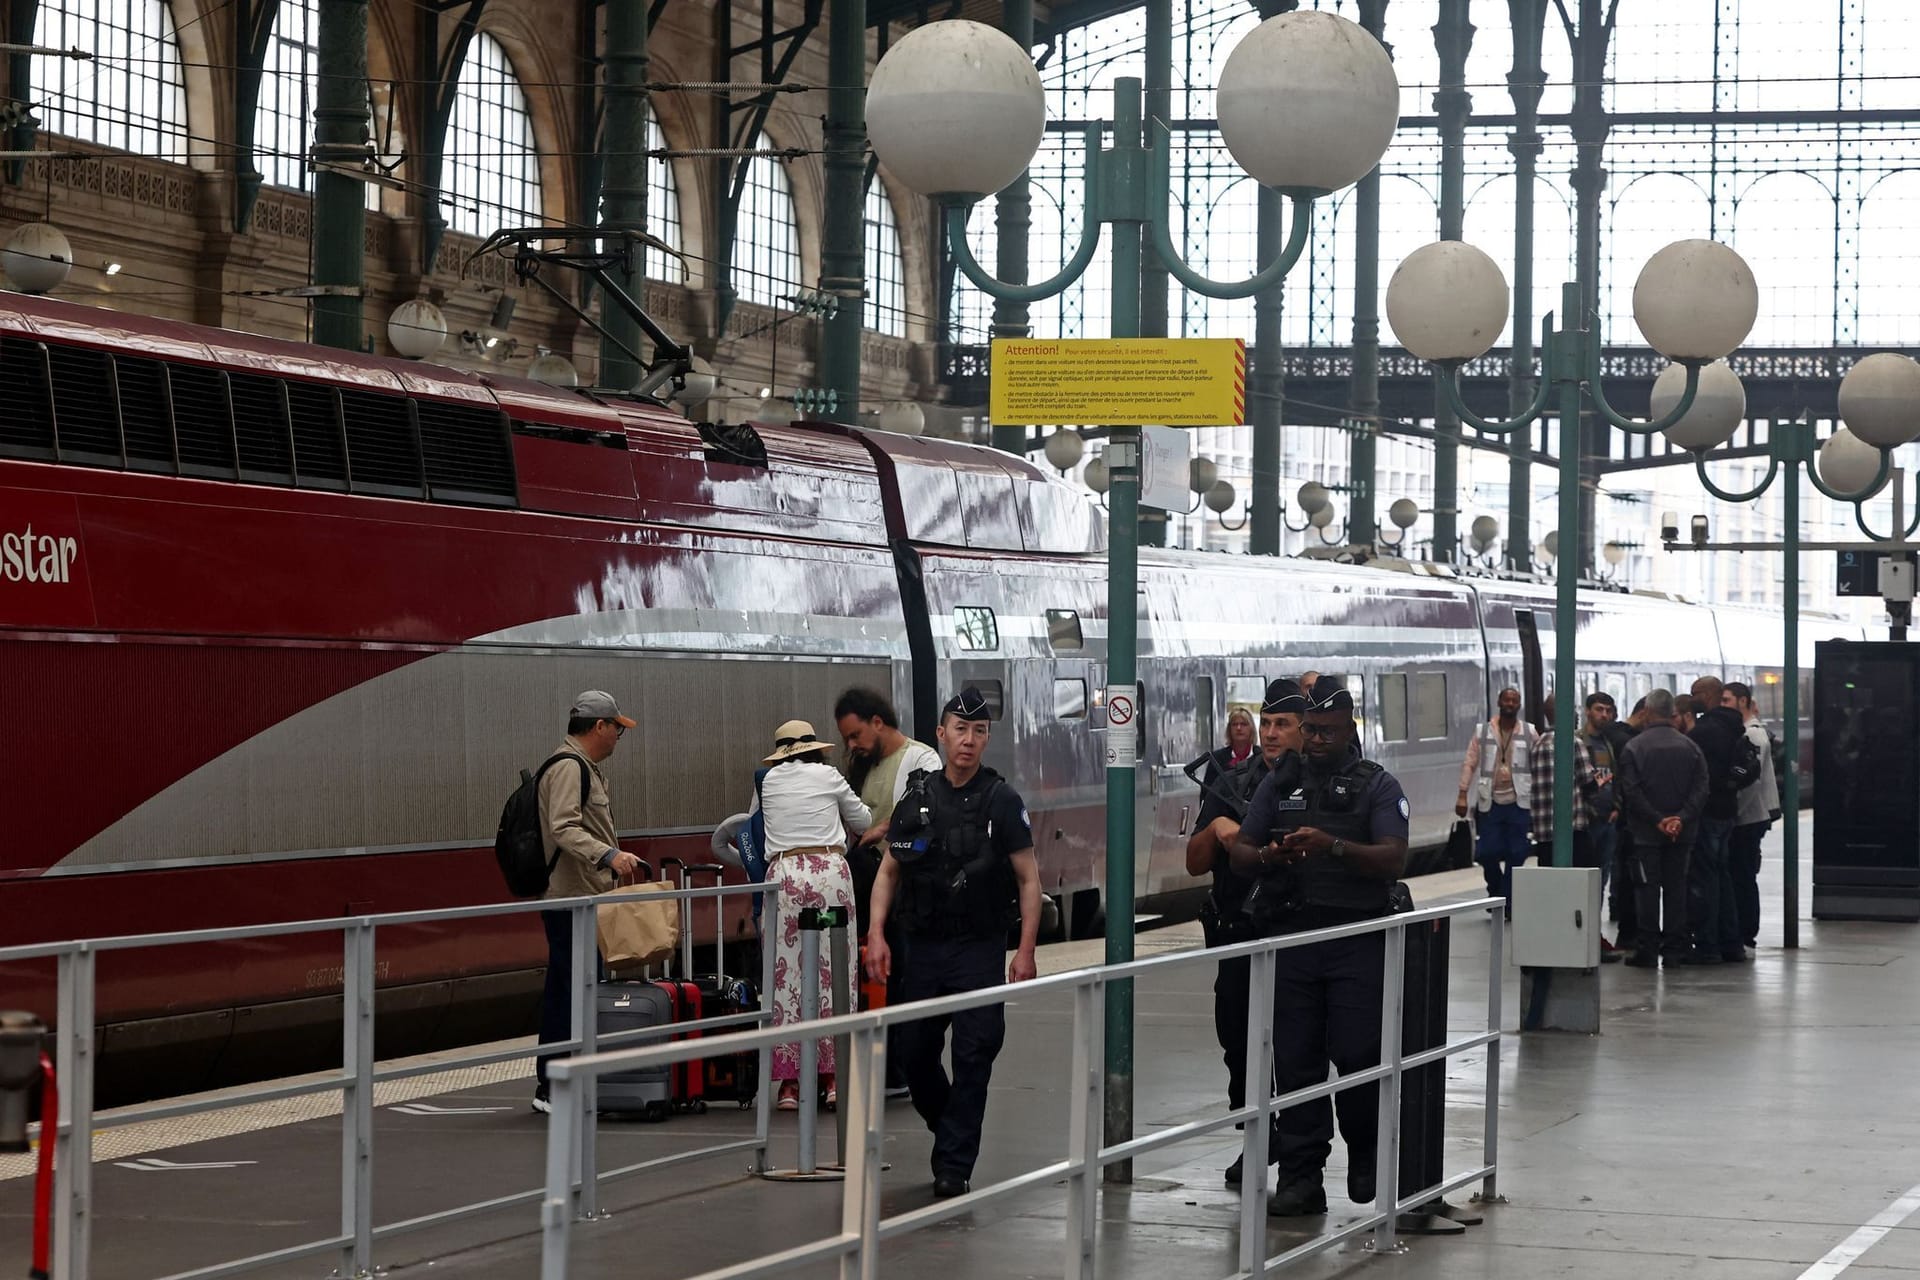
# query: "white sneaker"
(540, 1100)
(899, 1091)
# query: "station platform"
(1739, 1122)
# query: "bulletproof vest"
(953, 882)
(1321, 883)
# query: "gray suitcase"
(646, 1094)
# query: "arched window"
(663, 210)
(492, 165)
(766, 248)
(132, 97)
(886, 289)
(283, 120)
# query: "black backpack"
(519, 846)
(1744, 771)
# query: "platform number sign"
(1122, 707)
(1858, 573)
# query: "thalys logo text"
(43, 561)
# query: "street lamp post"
(1695, 301)
(1307, 104)
(1880, 403)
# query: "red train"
(281, 625)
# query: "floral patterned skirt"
(816, 880)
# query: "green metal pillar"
(1013, 219)
(1154, 290)
(1363, 389)
(1266, 379)
(1570, 356)
(1802, 438)
(843, 251)
(340, 136)
(1590, 129)
(1525, 83)
(1266, 387)
(623, 186)
(1124, 175)
(1453, 38)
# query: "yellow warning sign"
(1174, 382)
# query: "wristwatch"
(1339, 849)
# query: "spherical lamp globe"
(1848, 464)
(904, 418)
(554, 370)
(1550, 545)
(1695, 300)
(1447, 301)
(1719, 405)
(1065, 449)
(1201, 473)
(696, 386)
(1484, 530)
(1308, 102)
(1615, 554)
(416, 329)
(956, 110)
(1096, 475)
(1404, 513)
(1220, 497)
(1880, 400)
(1312, 498)
(1323, 517)
(37, 258)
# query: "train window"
(202, 420)
(1393, 708)
(1615, 683)
(990, 690)
(26, 429)
(1430, 705)
(1246, 691)
(83, 406)
(1070, 699)
(1203, 713)
(975, 628)
(1063, 629)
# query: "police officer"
(1325, 839)
(959, 869)
(1223, 804)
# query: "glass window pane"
(990, 692)
(1070, 699)
(131, 95)
(663, 209)
(492, 166)
(1429, 705)
(1063, 629)
(886, 309)
(975, 628)
(1246, 691)
(1393, 708)
(1203, 712)
(766, 251)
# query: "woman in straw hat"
(809, 811)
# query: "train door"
(1533, 670)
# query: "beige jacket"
(582, 835)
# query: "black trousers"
(556, 998)
(1326, 1009)
(954, 1108)
(1659, 871)
(1743, 864)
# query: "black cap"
(1283, 696)
(1330, 695)
(968, 704)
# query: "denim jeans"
(1711, 909)
(1506, 839)
(1743, 865)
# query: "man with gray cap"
(576, 828)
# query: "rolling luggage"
(730, 1077)
(688, 1079)
(632, 1006)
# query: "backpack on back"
(519, 846)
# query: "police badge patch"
(1404, 810)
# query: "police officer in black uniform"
(1325, 840)
(958, 871)
(1224, 802)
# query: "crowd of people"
(1670, 804)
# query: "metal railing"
(75, 1124)
(862, 1098)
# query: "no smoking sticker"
(1119, 708)
(1122, 748)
